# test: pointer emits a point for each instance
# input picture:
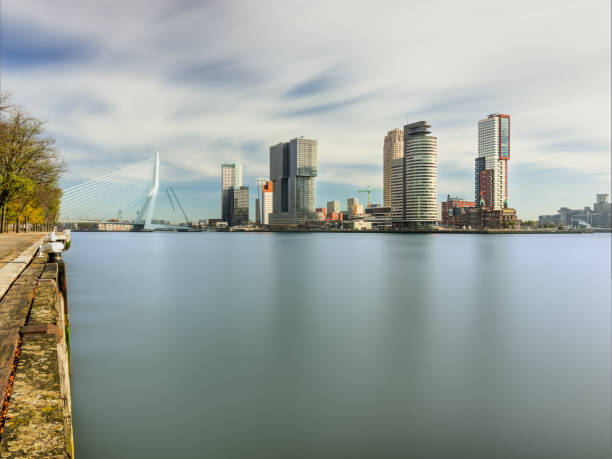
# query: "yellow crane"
(368, 190)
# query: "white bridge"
(108, 198)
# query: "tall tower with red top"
(491, 165)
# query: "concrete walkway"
(16, 251)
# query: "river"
(306, 345)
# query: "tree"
(29, 165)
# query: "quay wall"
(36, 419)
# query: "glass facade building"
(293, 171)
(238, 205)
(231, 175)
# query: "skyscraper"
(231, 175)
(393, 149)
(238, 205)
(398, 192)
(293, 169)
(267, 197)
(420, 180)
(491, 164)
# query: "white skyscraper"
(421, 174)
(231, 175)
(491, 165)
(397, 189)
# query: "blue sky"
(207, 82)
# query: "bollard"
(53, 251)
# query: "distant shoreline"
(443, 231)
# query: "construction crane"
(369, 191)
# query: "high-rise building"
(351, 206)
(491, 164)
(293, 170)
(267, 197)
(257, 212)
(333, 206)
(238, 205)
(397, 189)
(420, 174)
(393, 149)
(231, 175)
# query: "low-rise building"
(449, 214)
(481, 218)
(356, 224)
(598, 217)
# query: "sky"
(211, 81)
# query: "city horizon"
(102, 122)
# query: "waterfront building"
(482, 218)
(293, 170)
(491, 164)
(351, 207)
(359, 210)
(415, 183)
(333, 206)
(238, 205)
(231, 175)
(267, 197)
(449, 214)
(257, 212)
(378, 216)
(357, 224)
(598, 217)
(393, 149)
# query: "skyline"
(226, 87)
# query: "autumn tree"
(29, 164)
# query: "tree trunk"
(3, 220)
(17, 225)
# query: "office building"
(333, 206)
(491, 164)
(351, 207)
(231, 175)
(393, 149)
(293, 170)
(397, 189)
(267, 197)
(420, 180)
(238, 205)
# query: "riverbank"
(36, 418)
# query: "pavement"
(16, 251)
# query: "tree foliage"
(30, 167)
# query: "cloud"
(27, 45)
(206, 82)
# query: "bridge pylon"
(146, 212)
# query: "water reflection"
(336, 345)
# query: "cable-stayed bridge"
(129, 191)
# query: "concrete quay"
(36, 416)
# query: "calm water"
(340, 345)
